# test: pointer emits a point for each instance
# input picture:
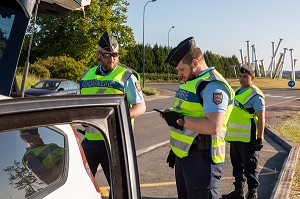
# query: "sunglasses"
(109, 55)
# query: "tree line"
(76, 38)
(155, 60)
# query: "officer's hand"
(171, 159)
(258, 144)
(171, 117)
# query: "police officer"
(198, 123)
(245, 133)
(110, 77)
(44, 160)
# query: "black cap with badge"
(177, 53)
(247, 68)
(108, 42)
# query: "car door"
(52, 115)
(63, 88)
(73, 87)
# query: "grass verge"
(289, 128)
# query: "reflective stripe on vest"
(188, 103)
(239, 123)
(48, 154)
(113, 83)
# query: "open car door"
(61, 114)
(14, 18)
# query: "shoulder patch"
(138, 86)
(217, 98)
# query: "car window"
(6, 22)
(31, 160)
(39, 85)
(63, 85)
(73, 85)
(13, 24)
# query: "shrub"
(149, 91)
(59, 67)
(37, 69)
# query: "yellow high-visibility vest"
(239, 123)
(188, 103)
(48, 154)
(113, 83)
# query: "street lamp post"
(143, 83)
(168, 48)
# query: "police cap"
(27, 133)
(247, 68)
(108, 42)
(177, 53)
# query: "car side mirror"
(60, 89)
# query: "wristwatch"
(180, 121)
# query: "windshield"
(50, 85)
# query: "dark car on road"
(50, 87)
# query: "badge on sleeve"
(138, 86)
(218, 98)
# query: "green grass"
(289, 128)
(149, 91)
(31, 80)
(266, 83)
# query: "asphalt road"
(151, 138)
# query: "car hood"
(38, 92)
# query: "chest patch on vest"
(138, 86)
(217, 98)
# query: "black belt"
(200, 143)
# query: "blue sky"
(222, 27)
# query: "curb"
(283, 185)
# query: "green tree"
(77, 37)
(22, 178)
(58, 67)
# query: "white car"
(41, 154)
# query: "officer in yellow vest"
(245, 131)
(198, 123)
(110, 77)
(44, 160)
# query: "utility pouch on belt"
(201, 142)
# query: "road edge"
(283, 185)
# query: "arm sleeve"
(134, 94)
(258, 103)
(215, 97)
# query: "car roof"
(56, 80)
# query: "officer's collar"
(206, 70)
(101, 72)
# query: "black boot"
(252, 193)
(238, 192)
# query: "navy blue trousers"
(95, 152)
(244, 161)
(196, 177)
